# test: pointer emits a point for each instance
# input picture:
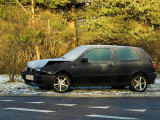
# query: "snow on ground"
(19, 88)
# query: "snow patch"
(20, 88)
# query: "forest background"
(40, 29)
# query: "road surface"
(79, 108)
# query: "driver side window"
(99, 55)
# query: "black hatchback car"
(93, 65)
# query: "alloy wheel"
(61, 83)
(139, 83)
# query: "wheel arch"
(139, 73)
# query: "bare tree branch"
(21, 5)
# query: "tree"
(68, 6)
(123, 22)
(39, 29)
(22, 30)
(9, 40)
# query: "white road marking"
(69, 105)
(112, 117)
(35, 102)
(100, 107)
(6, 100)
(136, 110)
(31, 110)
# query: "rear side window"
(99, 55)
(126, 54)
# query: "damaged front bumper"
(37, 79)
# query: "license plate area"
(29, 77)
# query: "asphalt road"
(79, 108)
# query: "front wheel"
(61, 83)
(139, 83)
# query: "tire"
(139, 83)
(61, 83)
(118, 87)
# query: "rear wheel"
(139, 83)
(61, 83)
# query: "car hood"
(38, 64)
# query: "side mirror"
(84, 60)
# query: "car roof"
(115, 46)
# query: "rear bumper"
(39, 79)
(151, 77)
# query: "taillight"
(154, 65)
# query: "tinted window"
(126, 54)
(99, 54)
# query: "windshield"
(75, 53)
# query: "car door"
(127, 63)
(99, 69)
